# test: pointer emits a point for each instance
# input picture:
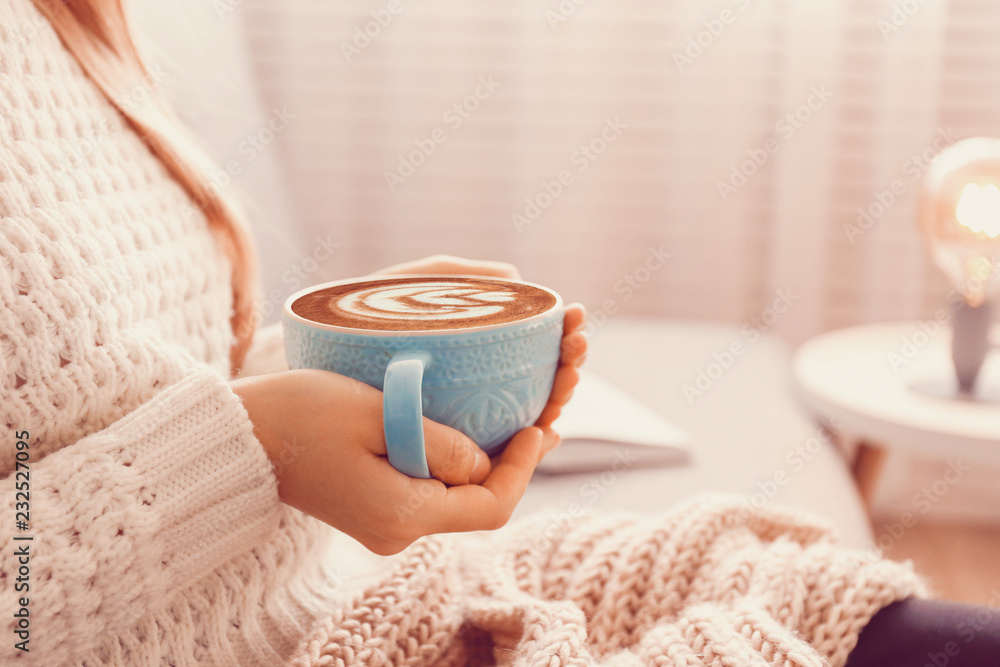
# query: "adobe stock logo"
(562, 12)
(251, 147)
(751, 332)
(785, 127)
(582, 158)
(913, 169)
(901, 14)
(630, 283)
(454, 116)
(713, 29)
(363, 36)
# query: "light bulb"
(960, 216)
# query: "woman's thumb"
(452, 457)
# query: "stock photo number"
(22, 540)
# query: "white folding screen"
(832, 98)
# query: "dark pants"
(930, 633)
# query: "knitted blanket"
(709, 583)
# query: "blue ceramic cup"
(486, 381)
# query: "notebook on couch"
(605, 428)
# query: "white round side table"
(888, 386)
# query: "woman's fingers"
(452, 457)
(573, 352)
(549, 415)
(575, 318)
(550, 441)
(451, 265)
(487, 507)
(566, 380)
(573, 349)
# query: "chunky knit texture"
(706, 584)
(158, 537)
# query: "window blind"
(751, 135)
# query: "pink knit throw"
(709, 583)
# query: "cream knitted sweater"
(156, 534)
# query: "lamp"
(960, 218)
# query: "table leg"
(867, 468)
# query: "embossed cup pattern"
(488, 384)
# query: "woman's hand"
(323, 433)
(573, 354)
(453, 266)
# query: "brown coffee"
(423, 304)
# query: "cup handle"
(402, 414)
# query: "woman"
(174, 515)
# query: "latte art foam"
(427, 301)
(411, 304)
